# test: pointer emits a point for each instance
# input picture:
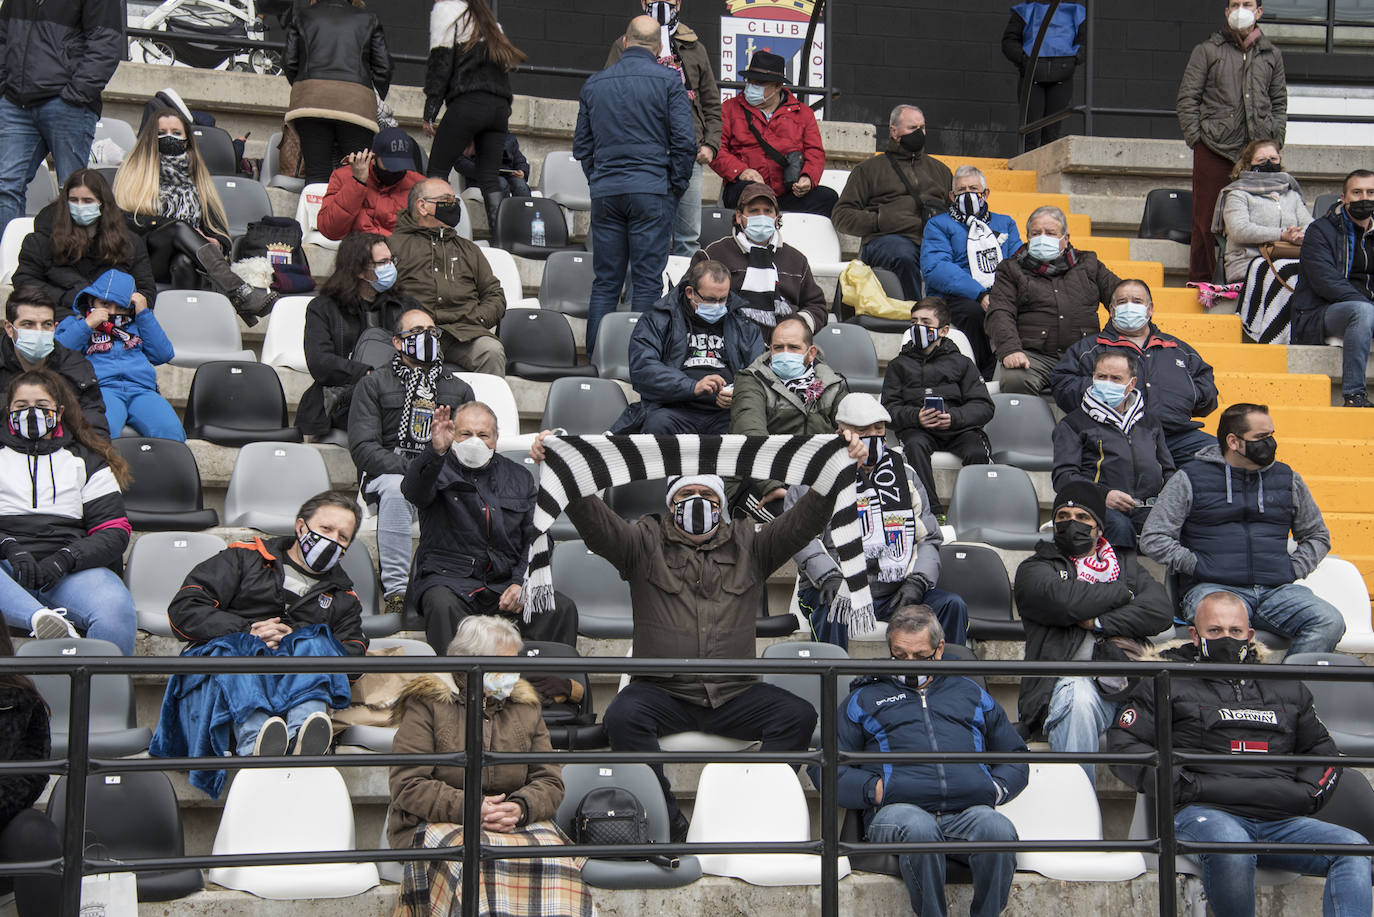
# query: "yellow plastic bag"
(861, 291)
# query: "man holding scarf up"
(901, 537)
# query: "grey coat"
(1229, 97)
(1255, 218)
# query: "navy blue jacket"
(952, 714)
(63, 50)
(635, 133)
(1324, 274)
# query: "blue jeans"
(950, 610)
(246, 731)
(1229, 878)
(395, 516)
(1353, 322)
(1315, 625)
(1122, 528)
(634, 232)
(924, 873)
(514, 186)
(687, 219)
(96, 600)
(1077, 717)
(144, 410)
(1186, 443)
(899, 255)
(31, 134)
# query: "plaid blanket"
(533, 887)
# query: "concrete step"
(1263, 388)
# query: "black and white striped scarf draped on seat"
(579, 466)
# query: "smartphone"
(935, 403)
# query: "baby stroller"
(219, 28)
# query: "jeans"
(687, 219)
(1185, 444)
(1077, 717)
(1229, 878)
(950, 610)
(819, 200)
(672, 420)
(634, 232)
(1353, 322)
(899, 255)
(143, 409)
(246, 731)
(924, 873)
(96, 601)
(325, 142)
(1315, 625)
(515, 187)
(967, 315)
(479, 118)
(1121, 528)
(31, 134)
(395, 516)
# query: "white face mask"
(472, 452)
(499, 685)
(1240, 18)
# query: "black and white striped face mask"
(33, 423)
(696, 515)
(423, 346)
(320, 552)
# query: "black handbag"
(792, 163)
(614, 815)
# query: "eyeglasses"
(384, 262)
(441, 201)
(930, 658)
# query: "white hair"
(479, 406)
(896, 115)
(485, 635)
(1048, 210)
(964, 172)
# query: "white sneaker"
(52, 624)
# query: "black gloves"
(829, 588)
(53, 567)
(912, 591)
(24, 565)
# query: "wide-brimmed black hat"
(765, 67)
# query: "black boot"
(493, 200)
(248, 301)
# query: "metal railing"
(77, 765)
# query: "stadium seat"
(41, 191)
(1339, 582)
(216, 149)
(514, 227)
(567, 283)
(165, 494)
(233, 404)
(539, 346)
(245, 201)
(716, 223)
(976, 573)
(1021, 432)
(379, 738)
(612, 354)
(1168, 215)
(201, 325)
(269, 483)
(507, 272)
(157, 567)
(601, 596)
(563, 181)
(814, 236)
(638, 498)
(572, 726)
(807, 687)
(283, 810)
(639, 779)
(10, 243)
(114, 731)
(562, 528)
(583, 406)
(308, 213)
(1059, 804)
(849, 351)
(271, 168)
(374, 347)
(1342, 705)
(132, 816)
(892, 287)
(495, 393)
(284, 342)
(759, 803)
(674, 272)
(1323, 204)
(835, 179)
(362, 570)
(120, 132)
(995, 504)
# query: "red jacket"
(792, 127)
(350, 206)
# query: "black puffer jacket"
(374, 421)
(1251, 716)
(71, 366)
(944, 372)
(24, 736)
(1137, 463)
(63, 281)
(334, 40)
(66, 50)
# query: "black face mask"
(1074, 538)
(1360, 210)
(388, 178)
(449, 214)
(1261, 451)
(1223, 650)
(913, 142)
(1267, 166)
(168, 145)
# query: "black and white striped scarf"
(176, 192)
(579, 466)
(760, 289)
(415, 431)
(1132, 409)
(1265, 314)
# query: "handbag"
(792, 163)
(614, 815)
(1279, 251)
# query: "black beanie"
(1085, 495)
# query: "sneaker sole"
(273, 740)
(315, 735)
(53, 627)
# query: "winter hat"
(713, 481)
(1084, 495)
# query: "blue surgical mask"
(711, 312)
(386, 277)
(1130, 316)
(760, 228)
(788, 365)
(84, 214)
(33, 345)
(753, 94)
(1043, 248)
(1108, 392)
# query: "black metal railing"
(77, 765)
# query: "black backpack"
(614, 815)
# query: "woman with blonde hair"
(165, 189)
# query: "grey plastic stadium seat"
(563, 180)
(639, 779)
(567, 283)
(601, 596)
(995, 504)
(976, 573)
(892, 287)
(269, 483)
(849, 351)
(157, 567)
(1343, 706)
(216, 149)
(114, 732)
(121, 132)
(1020, 432)
(41, 191)
(583, 406)
(202, 327)
(357, 563)
(271, 168)
(807, 687)
(612, 354)
(1323, 204)
(245, 201)
(379, 738)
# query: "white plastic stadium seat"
(961, 341)
(202, 327)
(503, 265)
(10, 243)
(308, 213)
(814, 235)
(1340, 583)
(120, 133)
(284, 342)
(269, 482)
(835, 179)
(495, 393)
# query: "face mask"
(913, 142)
(33, 345)
(449, 214)
(84, 214)
(1074, 538)
(1043, 248)
(970, 203)
(924, 335)
(1223, 650)
(320, 552)
(696, 515)
(386, 276)
(665, 14)
(753, 94)
(1240, 18)
(1360, 210)
(1130, 316)
(1109, 392)
(171, 145)
(120, 320)
(877, 445)
(422, 346)
(711, 312)
(788, 365)
(386, 177)
(499, 685)
(1267, 166)
(1261, 451)
(33, 423)
(760, 228)
(472, 452)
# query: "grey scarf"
(176, 194)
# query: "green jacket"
(1229, 97)
(764, 406)
(449, 275)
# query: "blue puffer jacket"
(1324, 274)
(114, 363)
(1061, 39)
(952, 714)
(944, 254)
(635, 133)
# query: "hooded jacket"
(63, 281)
(72, 366)
(944, 253)
(353, 206)
(1052, 602)
(431, 718)
(876, 203)
(791, 128)
(697, 77)
(1215, 523)
(374, 420)
(764, 406)
(913, 375)
(1230, 96)
(1044, 313)
(1328, 248)
(951, 714)
(59, 50)
(1248, 716)
(117, 364)
(1176, 380)
(450, 276)
(230, 592)
(796, 283)
(1136, 463)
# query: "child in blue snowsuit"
(124, 342)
